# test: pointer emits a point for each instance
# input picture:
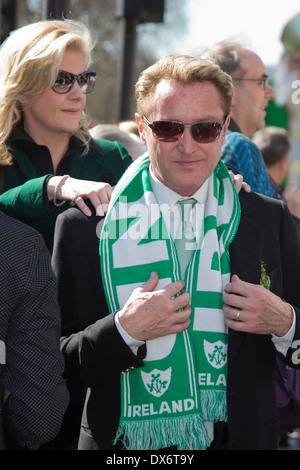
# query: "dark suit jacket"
(31, 363)
(266, 232)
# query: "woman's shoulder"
(106, 146)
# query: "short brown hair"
(273, 142)
(184, 69)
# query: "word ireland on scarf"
(178, 406)
(182, 384)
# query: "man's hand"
(149, 314)
(261, 311)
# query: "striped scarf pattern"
(182, 384)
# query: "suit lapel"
(246, 248)
(245, 260)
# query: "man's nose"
(187, 141)
(270, 93)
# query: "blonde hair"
(184, 69)
(30, 59)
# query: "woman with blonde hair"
(48, 159)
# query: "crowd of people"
(150, 268)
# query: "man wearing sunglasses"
(201, 377)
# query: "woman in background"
(48, 159)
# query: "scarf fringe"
(186, 433)
(213, 405)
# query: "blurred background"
(132, 34)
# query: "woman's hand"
(239, 182)
(65, 188)
(291, 196)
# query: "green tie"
(185, 240)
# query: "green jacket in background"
(24, 194)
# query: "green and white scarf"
(183, 382)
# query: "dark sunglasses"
(171, 131)
(65, 81)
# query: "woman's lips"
(71, 111)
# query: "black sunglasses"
(171, 131)
(65, 81)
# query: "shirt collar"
(166, 197)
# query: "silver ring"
(74, 197)
(237, 315)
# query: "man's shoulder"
(73, 225)
(260, 201)
(237, 138)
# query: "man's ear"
(225, 129)
(141, 128)
(234, 98)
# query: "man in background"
(251, 95)
(274, 144)
(33, 393)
